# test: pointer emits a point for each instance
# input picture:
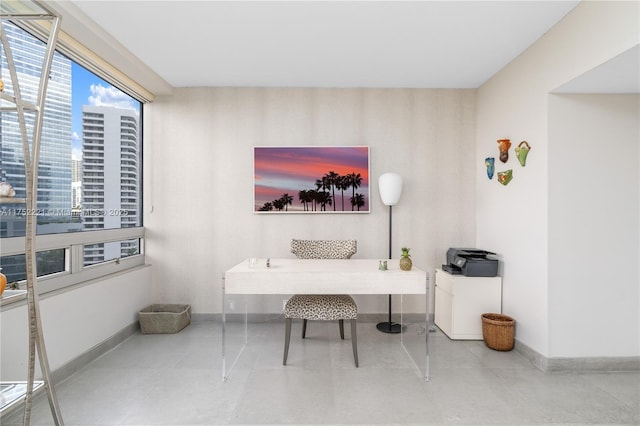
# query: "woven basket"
(498, 331)
(164, 318)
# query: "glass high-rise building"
(110, 143)
(54, 199)
(76, 185)
(110, 177)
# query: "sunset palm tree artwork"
(311, 179)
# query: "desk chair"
(322, 307)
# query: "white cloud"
(76, 146)
(76, 153)
(109, 96)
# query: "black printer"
(470, 263)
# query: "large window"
(90, 170)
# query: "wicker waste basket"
(164, 318)
(498, 331)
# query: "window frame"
(76, 51)
(73, 243)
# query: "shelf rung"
(12, 200)
(12, 99)
(14, 392)
(14, 109)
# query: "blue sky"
(89, 89)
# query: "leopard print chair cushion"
(324, 249)
(321, 307)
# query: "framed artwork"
(311, 179)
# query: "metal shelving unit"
(21, 12)
(13, 393)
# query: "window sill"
(11, 296)
(14, 298)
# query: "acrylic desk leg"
(230, 352)
(426, 334)
(411, 338)
(224, 332)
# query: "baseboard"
(92, 354)
(594, 365)
(548, 365)
(258, 318)
(62, 373)
(578, 365)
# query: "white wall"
(73, 321)
(594, 290)
(513, 220)
(199, 215)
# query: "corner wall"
(594, 291)
(513, 220)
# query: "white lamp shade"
(390, 187)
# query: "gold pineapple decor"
(405, 260)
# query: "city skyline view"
(84, 116)
(89, 89)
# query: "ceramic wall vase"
(505, 177)
(490, 163)
(521, 152)
(503, 147)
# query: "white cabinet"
(460, 301)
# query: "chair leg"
(354, 341)
(304, 328)
(341, 324)
(287, 339)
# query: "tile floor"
(176, 380)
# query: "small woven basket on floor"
(498, 331)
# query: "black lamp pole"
(389, 327)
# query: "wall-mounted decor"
(522, 151)
(490, 163)
(503, 147)
(505, 177)
(311, 179)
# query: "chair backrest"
(324, 249)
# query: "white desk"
(310, 276)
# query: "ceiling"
(416, 44)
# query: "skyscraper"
(54, 175)
(110, 177)
(76, 184)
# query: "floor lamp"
(390, 186)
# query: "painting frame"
(311, 180)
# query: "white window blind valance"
(84, 56)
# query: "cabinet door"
(443, 310)
(445, 281)
(460, 301)
(474, 296)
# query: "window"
(90, 170)
(114, 250)
(48, 261)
